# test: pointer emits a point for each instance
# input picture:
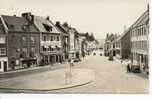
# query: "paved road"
(110, 77)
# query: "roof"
(62, 29)
(15, 23)
(143, 19)
(125, 32)
(41, 22)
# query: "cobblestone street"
(110, 77)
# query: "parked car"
(135, 69)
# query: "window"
(51, 38)
(57, 38)
(33, 49)
(24, 38)
(2, 51)
(144, 31)
(32, 39)
(2, 40)
(44, 38)
(0, 65)
(43, 49)
(32, 52)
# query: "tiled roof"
(40, 21)
(15, 23)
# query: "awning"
(59, 46)
(52, 46)
(46, 46)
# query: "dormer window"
(47, 27)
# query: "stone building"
(20, 40)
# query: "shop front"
(3, 64)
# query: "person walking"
(128, 68)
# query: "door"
(5, 66)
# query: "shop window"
(23, 53)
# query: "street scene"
(63, 53)
(106, 79)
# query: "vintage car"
(135, 68)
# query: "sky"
(96, 16)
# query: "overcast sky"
(97, 16)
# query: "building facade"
(3, 47)
(139, 41)
(123, 45)
(64, 40)
(21, 42)
(50, 41)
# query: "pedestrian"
(121, 61)
(71, 63)
(128, 68)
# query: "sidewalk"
(37, 69)
(124, 63)
(47, 81)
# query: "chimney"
(57, 23)
(28, 16)
(48, 18)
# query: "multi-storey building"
(3, 48)
(64, 40)
(123, 45)
(20, 42)
(50, 41)
(139, 41)
(74, 46)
